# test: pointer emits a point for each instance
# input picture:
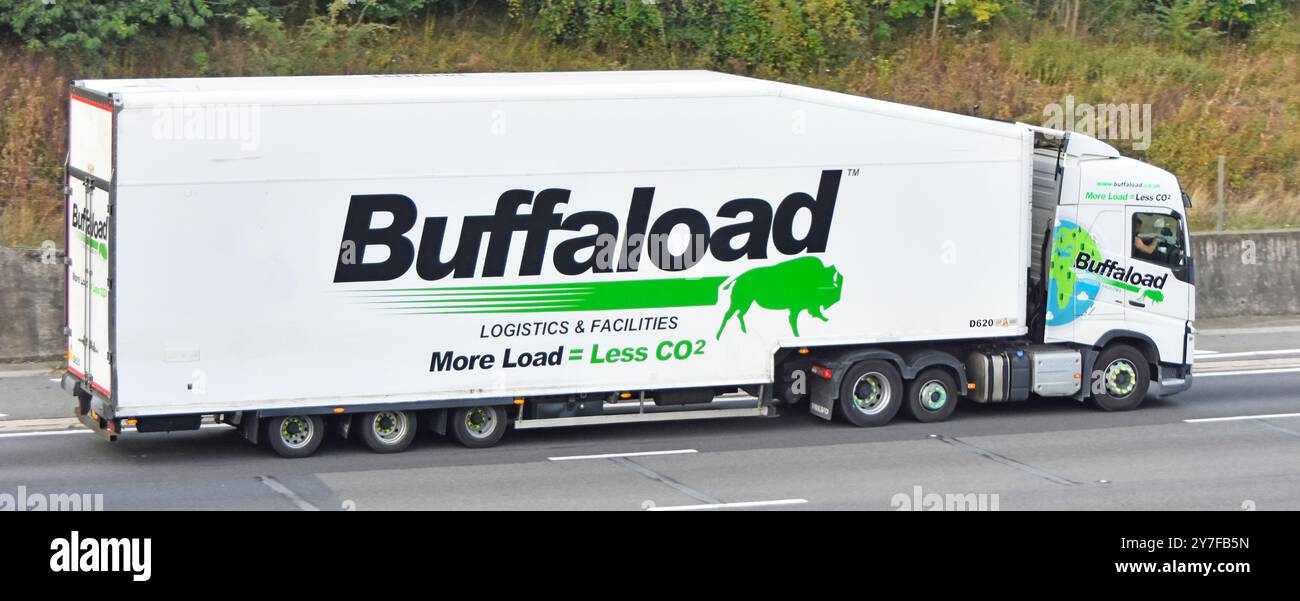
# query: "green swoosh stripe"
(540, 298)
(1154, 295)
(100, 247)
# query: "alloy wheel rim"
(934, 395)
(480, 422)
(296, 431)
(1121, 377)
(871, 393)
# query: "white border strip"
(82, 430)
(1248, 372)
(1247, 354)
(617, 455)
(1235, 418)
(739, 505)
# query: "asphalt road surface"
(1231, 443)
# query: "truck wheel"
(388, 431)
(870, 393)
(478, 427)
(932, 396)
(294, 435)
(1125, 377)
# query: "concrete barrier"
(1238, 274)
(31, 304)
(1247, 273)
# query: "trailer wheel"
(388, 431)
(1125, 377)
(294, 435)
(870, 393)
(932, 396)
(478, 427)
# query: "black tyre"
(1124, 376)
(870, 393)
(388, 431)
(477, 427)
(932, 396)
(294, 436)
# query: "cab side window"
(1158, 238)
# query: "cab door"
(1088, 244)
(1157, 283)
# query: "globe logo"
(1069, 297)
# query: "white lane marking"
(287, 493)
(618, 455)
(739, 505)
(1199, 352)
(1249, 372)
(83, 431)
(3, 415)
(1240, 331)
(1235, 418)
(56, 379)
(1238, 355)
(23, 373)
(43, 433)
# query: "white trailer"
(470, 252)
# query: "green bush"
(786, 34)
(90, 25)
(782, 34)
(87, 25)
(321, 45)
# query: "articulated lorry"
(368, 256)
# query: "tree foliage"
(89, 25)
(790, 33)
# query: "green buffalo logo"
(797, 285)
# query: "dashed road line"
(287, 493)
(616, 455)
(739, 505)
(1234, 418)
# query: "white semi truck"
(468, 253)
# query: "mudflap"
(438, 421)
(822, 393)
(248, 426)
(822, 406)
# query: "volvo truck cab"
(1117, 269)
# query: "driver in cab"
(1156, 244)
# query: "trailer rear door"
(89, 244)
